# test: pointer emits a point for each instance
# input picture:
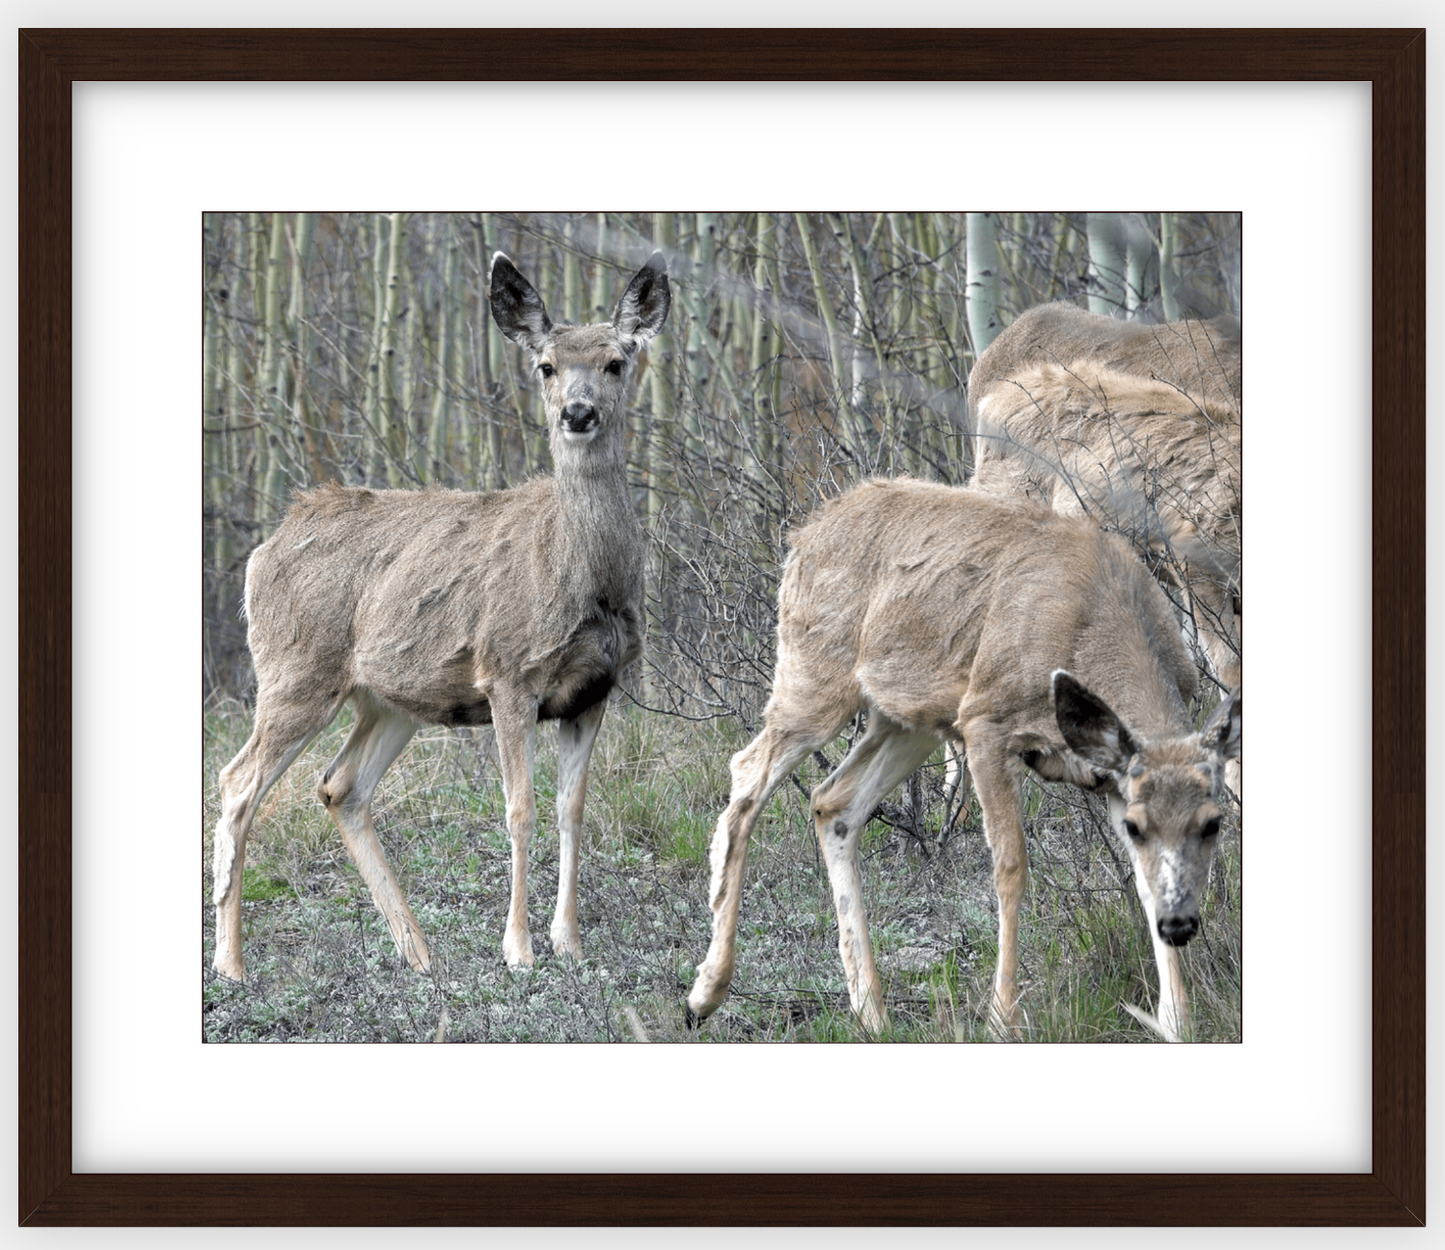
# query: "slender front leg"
(515, 721)
(574, 750)
(1172, 1023)
(998, 783)
(883, 757)
(757, 770)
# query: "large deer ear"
(1090, 728)
(516, 306)
(1221, 733)
(642, 310)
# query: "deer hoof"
(519, 955)
(567, 944)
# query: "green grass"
(323, 968)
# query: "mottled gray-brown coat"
(427, 598)
(456, 608)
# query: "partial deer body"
(1136, 425)
(1199, 357)
(455, 608)
(1035, 641)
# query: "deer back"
(929, 602)
(421, 596)
(1200, 357)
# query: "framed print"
(59, 1092)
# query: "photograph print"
(837, 613)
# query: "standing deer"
(1138, 425)
(1033, 639)
(456, 608)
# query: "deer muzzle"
(579, 417)
(1177, 930)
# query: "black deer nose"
(1176, 930)
(579, 417)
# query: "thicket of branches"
(804, 352)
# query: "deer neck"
(598, 524)
(1147, 699)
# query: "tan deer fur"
(455, 608)
(1199, 357)
(1033, 639)
(1113, 437)
(1141, 456)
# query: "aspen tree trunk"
(538, 452)
(1139, 249)
(837, 360)
(243, 450)
(1062, 231)
(1106, 263)
(601, 274)
(662, 355)
(443, 409)
(928, 295)
(982, 291)
(408, 356)
(269, 387)
(1168, 276)
(374, 419)
(491, 366)
(699, 308)
(954, 339)
(300, 336)
(390, 419)
(249, 367)
(213, 230)
(862, 299)
(571, 273)
(763, 358)
(214, 439)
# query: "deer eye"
(1133, 831)
(547, 370)
(614, 367)
(1211, 828)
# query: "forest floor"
(322, 965)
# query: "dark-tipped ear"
(642, 310)
(1221, 733)
(516, 306)
(1090, 728)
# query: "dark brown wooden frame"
(1393, 61)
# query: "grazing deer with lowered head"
(1137, 425)
(1034, 640)
(456, 608)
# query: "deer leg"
(346, 791)
(574, 750)
(999, 789)
(515, 721)
(282, 731)
(1172, 1022)
(757, 770)
(883, 757)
